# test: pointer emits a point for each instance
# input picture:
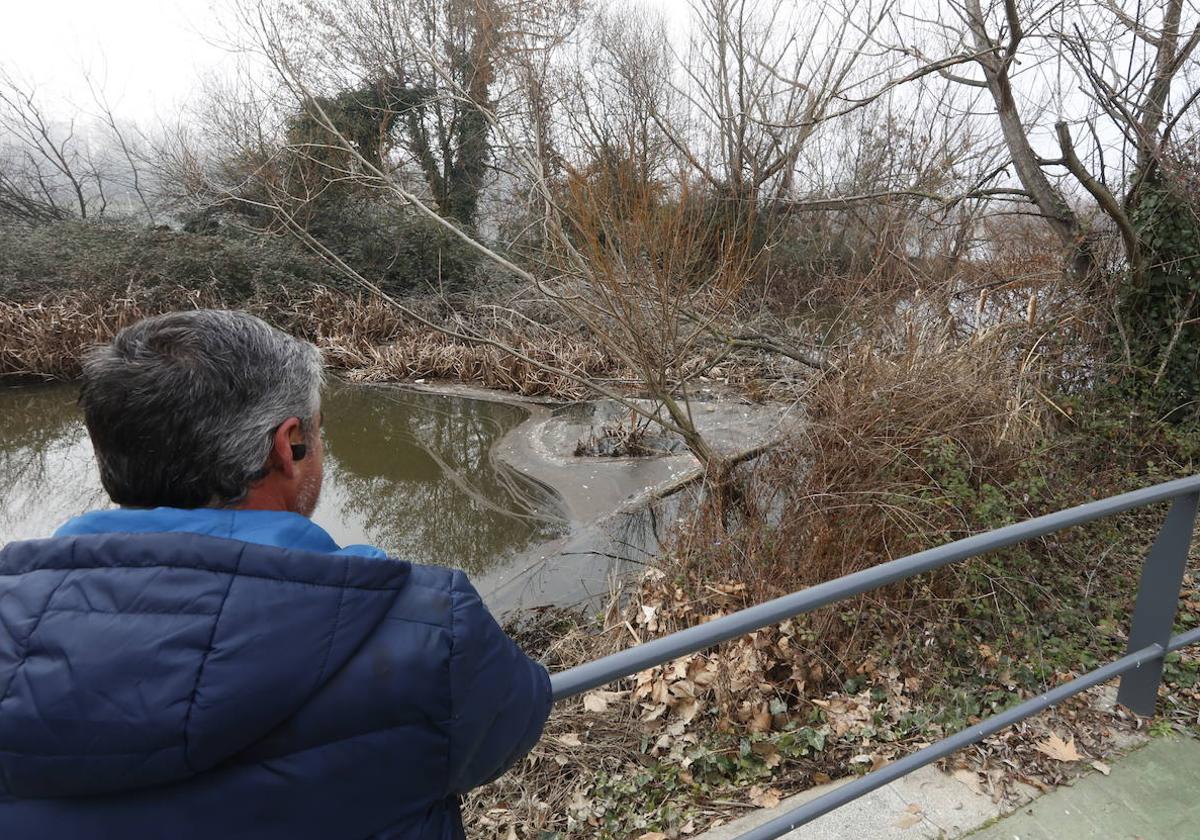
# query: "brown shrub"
(854, 488)
(909, 437)
(434, 355)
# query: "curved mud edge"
(541, 449)
(614, 507)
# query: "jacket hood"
(129, 660)
(265, 527)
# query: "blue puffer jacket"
(233, 674)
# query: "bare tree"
(46, 170)
(1125, 61)
(125, 139)
(997, 50)
(1138, 99)
(409, 60)
(59, 161)
(614, 95)
(759, 76)
(619, 259)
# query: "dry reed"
(46, 338)
(854, 488)
(359, 334)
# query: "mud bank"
(618, 509)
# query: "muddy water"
(411, 473)
(458, 480)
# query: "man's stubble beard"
(309, 494)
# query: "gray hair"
(181, 407)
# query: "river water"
(412, 473)
(458, 480)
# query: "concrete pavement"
(924, 805)
(1153, 793)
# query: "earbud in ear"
(299, 450)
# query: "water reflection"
(585, 567)
(415, 474)
(411, 473)
(47, 473)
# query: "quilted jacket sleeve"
(499, 697)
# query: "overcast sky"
(147, 52)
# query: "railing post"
(1157, 601)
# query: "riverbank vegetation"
(962, 242)
(44, 337)
(931, 440)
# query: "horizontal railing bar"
(657, 651)
(1183, 640)
(822, 805)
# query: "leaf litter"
(683, 747)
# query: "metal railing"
(1141, 668)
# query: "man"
(204, 661)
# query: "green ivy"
(1165, 357)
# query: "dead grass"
(856, 487)
(432, 355)
(359, 334)
(876, 422)
(46, 338)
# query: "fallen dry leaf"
(761, 719)
(594, 703)
(652, 835)
(768, 752)
(597, 701)
(570, 739)
(913, 815)
(654, 712)
(969, 778)
(686, 710)
(768, 798)
(1102, 767)
(1058, 749)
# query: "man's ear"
(283, 457)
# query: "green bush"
(394, 248)
(58, 258)
(1161, 327)
(398, 251)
